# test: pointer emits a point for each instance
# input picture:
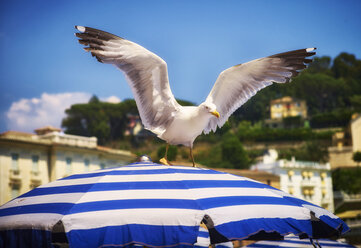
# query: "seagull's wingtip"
(80, 28)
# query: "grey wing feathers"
(239, 83)
(146, 74)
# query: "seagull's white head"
(210, 108)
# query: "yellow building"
(288, 107)
(29, 160)
(356, 132)
(345, 144)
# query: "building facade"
(29, 160)
(306, 180)
(345, 144)
(288, 107)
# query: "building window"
(324, 192)
(291, 191)
(15, 161)
(307, 175)
(35, 167)
(34, 184)
(68, 166)
(15, 190)
(290, 174)
(86, 165)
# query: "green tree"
(172, 152)
(355, 101)
(326, 86)
(106, 121)
(346, 65)
(347, 180)
(320, 65)
(357, 157)
(233, 153)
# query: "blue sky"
(43, 69)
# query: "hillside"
(331, 89)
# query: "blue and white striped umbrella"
(292, 242)
(203, 240)
(158, 206)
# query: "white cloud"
(29, 114)
(112, 99)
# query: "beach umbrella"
(203, 240)
(158, 206)
(293, 241)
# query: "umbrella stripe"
(298, 243)
(158, 216)
(139, 194)
(320, 241)
(184, 184)
(85, 220)
(203, 234)
(23, 221)
(158, 205)
(146, 178)
(134, 233)
(206, 203)
(142, 172)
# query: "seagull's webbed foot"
(164, 161)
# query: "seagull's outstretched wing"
(146, 74)
(239, 83)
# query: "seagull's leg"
(164, 160)
(191, 154)
(166, 152)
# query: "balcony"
(308, 183)
(35, 183)
(35, 174)
(15, 174)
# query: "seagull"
(147, 76)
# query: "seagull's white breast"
(188, 123)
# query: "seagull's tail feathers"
(158, 131)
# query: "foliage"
(335, 118)
(292, 121)
(233, 153)
(106, 121)
(228, 153)
(320, 65)
(355, 101)
(330, 87)
(327, 86)
(347, 180)
(257, 133)
(211, 157)
(311, 151)
(357, 157)
(172, 152)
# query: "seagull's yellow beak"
(215, 113)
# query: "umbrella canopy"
(203, 240)
(158, 206)
(292, 241)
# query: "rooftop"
(52, 136)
